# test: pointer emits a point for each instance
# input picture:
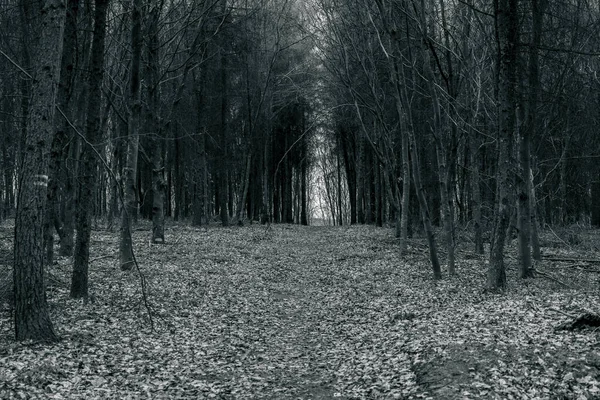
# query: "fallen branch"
(567, 259)
(544, 274)
(587, 320)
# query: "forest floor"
(309, 313)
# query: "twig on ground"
(562, 312)
(558, 237)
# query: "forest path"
(305, 313)
(312, 291)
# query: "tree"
(507, 22)
(32, 321)
(89, 162)
(60, 144)
(153, 123)
(129, 211)
(525, 186)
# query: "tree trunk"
(596, 204)
(360, 178)
(304, 188)
(476, 194)
(379, 203)
(525, 184)
(153, 121)
(339, 187)
(535, 237)
(245, 184)
(68, 172)
(508, 32)
(88, 174)
(129, 172)
(404, 217)
(425, 218)
(60, 143)
(224, 162)
(441, 148)
(32, 321)
(562, 207)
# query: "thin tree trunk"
(379, 203)
(535, 238)
(562, 208)
(158, 166)
(441, 148)
(339, 187)
(507, 25)
(476, 194)
(245, 185)
(32, 321)
(425, 218)
(404, 216)
(224, 162)
(527, 228)
(304, 189)
(360, 178)
(69, 173)
(130, 205)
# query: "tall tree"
(60, 143)
(526, 188)
(507, 25)
(129, 211)
(153, 123)
(90, 152)
(32, 321)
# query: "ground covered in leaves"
(295, 312)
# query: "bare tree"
(507, 23)
(133, 124)
(89, 162)
(32, 321)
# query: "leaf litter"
(304, 313)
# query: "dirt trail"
(313, 283)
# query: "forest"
(299, 199)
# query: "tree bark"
(525, 184)
(476, 193)
(507, 33)
(304, 183)
(441, 148)
(129, 212)
(535, 237)
(32, 320)
(153, 121)
(223, 157)
(243, 195)
(89, 163)
(60, 143)
(425, 217)
(360, 178)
